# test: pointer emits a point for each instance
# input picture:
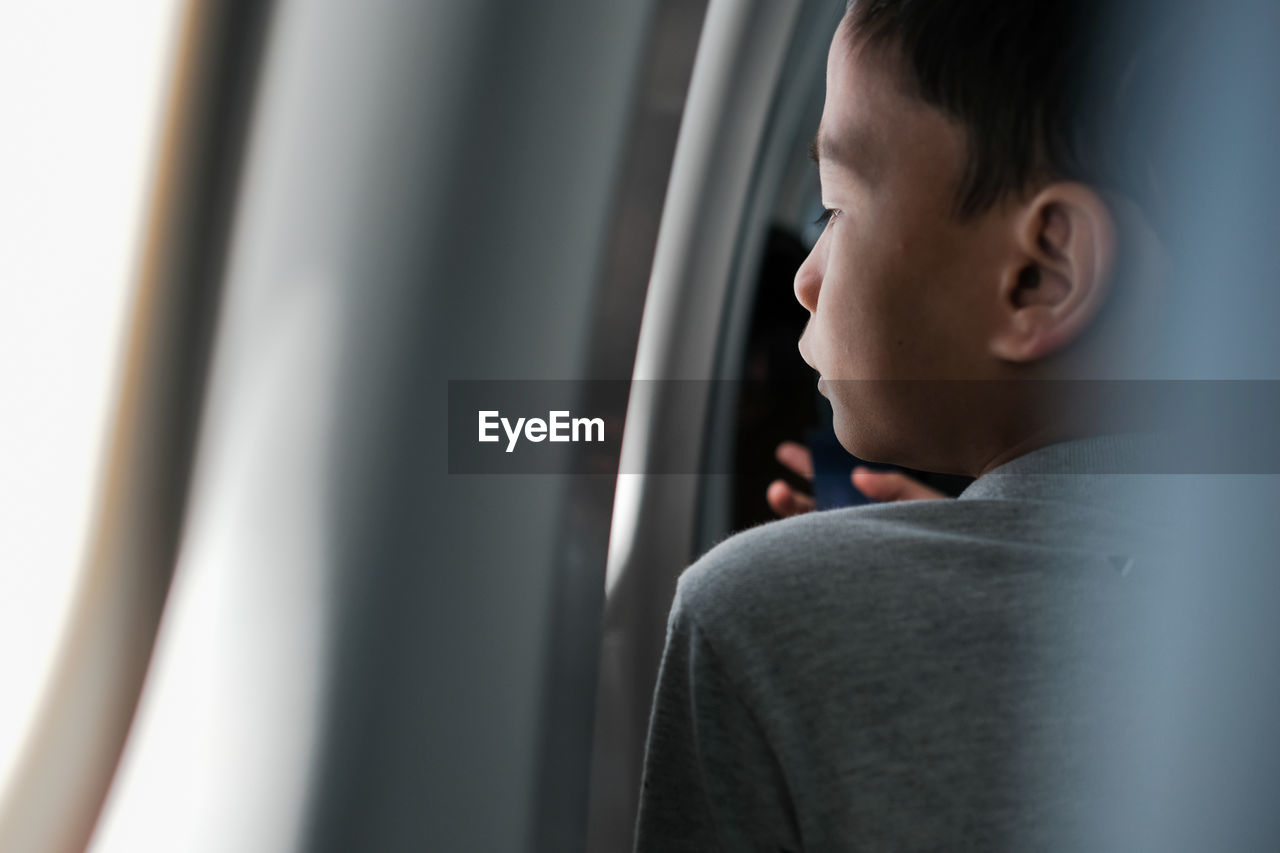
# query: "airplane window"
(82, 85)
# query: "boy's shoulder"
(867, 569)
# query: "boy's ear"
(1060, 274)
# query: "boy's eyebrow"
(853, 153)
(814, 154)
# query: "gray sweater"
(911, 676)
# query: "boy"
(901, 676)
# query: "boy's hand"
(782, 499)
(882, 486)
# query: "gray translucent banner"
(1225, 427)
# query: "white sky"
(81, 87)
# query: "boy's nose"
(809, 282)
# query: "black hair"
(1044, 89)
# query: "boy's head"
(985, 225)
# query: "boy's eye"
(827, 215)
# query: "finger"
(889, 486)
(796, 457)
(778, 496)
(786, 501)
